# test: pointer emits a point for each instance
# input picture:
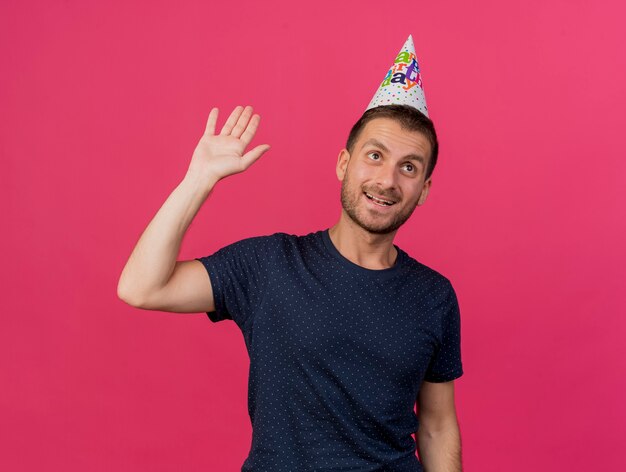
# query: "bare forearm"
(440, 451)
(153, 259)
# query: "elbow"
(437, 426)
(128, 297)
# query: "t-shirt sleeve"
(446, 364)
(238, 275)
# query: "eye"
(411, 167)
(374, 153)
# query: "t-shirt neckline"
(356, 268)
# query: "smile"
(379, 201)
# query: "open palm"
(224, 154)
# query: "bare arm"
(438, 437)
(153, 278)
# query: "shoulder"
(292, 241)
(266, 248)
(426, 273)
(256, 243)
(439, 287)
(251, 249)
(271, 242)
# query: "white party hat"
(403, 82)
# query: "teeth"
(372, 197)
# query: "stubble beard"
(350, 203)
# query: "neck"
(369, 250)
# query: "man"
(345, 330)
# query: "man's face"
(387, 162)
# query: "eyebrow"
(377, 143)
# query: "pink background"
(102, 106)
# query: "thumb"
(253, 154)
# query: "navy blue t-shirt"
(337, 351)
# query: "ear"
(342, 163)
(425, 190)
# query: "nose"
(387, 177)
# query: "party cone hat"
(403, 82)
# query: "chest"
(373, 328)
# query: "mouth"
(379, 201)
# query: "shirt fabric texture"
(337, 351)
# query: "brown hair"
(410, 119)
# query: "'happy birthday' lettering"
(405, 71)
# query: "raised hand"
(221, 155)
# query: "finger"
(210, 124)
(251, 156)
(250, 131)
(232, 119)
(242, 122)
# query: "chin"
(374, 228)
